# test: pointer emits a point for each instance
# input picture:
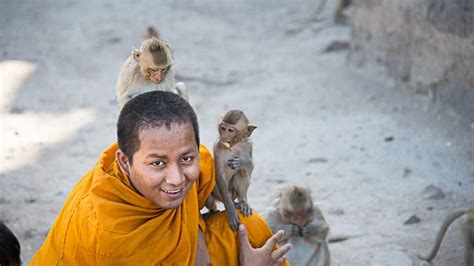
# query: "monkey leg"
(240, 184)
(223, 193)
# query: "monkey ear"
(122, 162)
(136, 54)
(250, 129)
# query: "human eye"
(187, 159)
(158, 163)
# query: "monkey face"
(150, 69)
(157, 75)
(227, 132)
(299, 218)
(165, 166)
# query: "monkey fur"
(234, 165)
(293, 210)
(135, 79)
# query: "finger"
(281, 261)
(270, 244)
(243, 239)
(281, 252)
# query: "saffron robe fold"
(105, 221)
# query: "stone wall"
(427, 44)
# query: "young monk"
(140, 204)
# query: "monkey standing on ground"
(149, 68)
(305, 228)
(467, 233)
(234, 165)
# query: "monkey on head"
(234, 165)
(149, 68)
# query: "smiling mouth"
(172, 192)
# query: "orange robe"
(105, 221)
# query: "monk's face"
(166, 164)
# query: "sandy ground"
(367, 147)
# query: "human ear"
(123, 162)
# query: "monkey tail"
(444, 227)
(150, 32)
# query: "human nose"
(175, 176)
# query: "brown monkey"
(234, 165)
(149, 68)
(305, 228)
(467, 233)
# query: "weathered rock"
(318, 160)
(433, 192)
(412, 220)
(337, 46)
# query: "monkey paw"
(234, 163)
(244, 208)
(233, 219)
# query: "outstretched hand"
(265, 255)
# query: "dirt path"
(366, 147)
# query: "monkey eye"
(223, 128)
(231, 130)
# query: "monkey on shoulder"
(149, 68)
(234, 165)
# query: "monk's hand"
(265, 255)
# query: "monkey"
(293, 210)
(467, 233)
(234, 165)
(149, 68)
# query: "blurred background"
(370, 103)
